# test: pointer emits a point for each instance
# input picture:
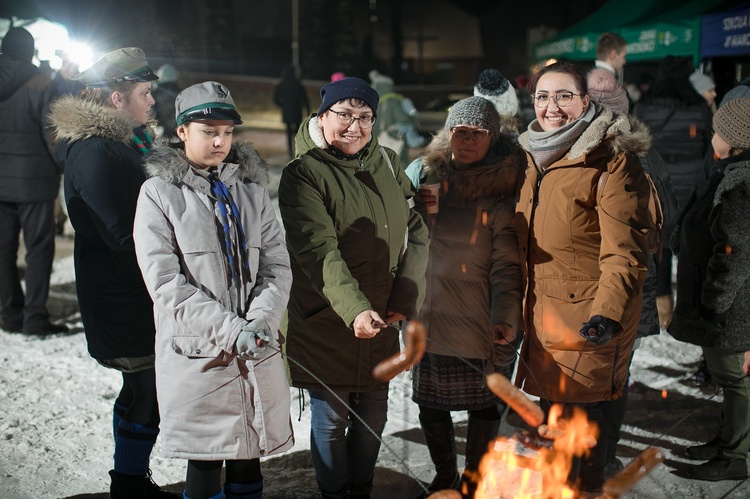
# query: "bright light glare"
(48, 37)
(80, 54)
(52, 44)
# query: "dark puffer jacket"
(103, 175)
(714, 262)
(28, 171)
(681, 132)
(473, 275)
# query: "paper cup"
(435, 191)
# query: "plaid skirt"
(449, 384)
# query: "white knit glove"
(247, 344)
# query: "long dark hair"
(564, 67)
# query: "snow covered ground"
(56, 423)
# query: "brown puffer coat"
(584, 253)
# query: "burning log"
(416, 343)
(515, 398)
(639, 467)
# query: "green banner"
(574, 48)
(657, 40)
(645, 42)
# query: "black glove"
(674, 239)
(712, 322)
(599, 330)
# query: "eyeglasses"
(562, 99)
(475, 134)
(346, 119)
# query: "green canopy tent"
(652, 29)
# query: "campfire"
(536, 464)
(529, 464)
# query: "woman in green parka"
(358, 251)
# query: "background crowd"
(553, 243)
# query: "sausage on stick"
(416, 343)
(515, 398)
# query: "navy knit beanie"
(348, 88)
(18, 44)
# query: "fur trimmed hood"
(75, 119)
(168, 162)
(498, 176)
(625, 134)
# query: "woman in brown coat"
(582, 221)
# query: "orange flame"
(511, 470)
(663, 394)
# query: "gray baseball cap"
(125, 64)
(209, 100)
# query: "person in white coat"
(214, 260)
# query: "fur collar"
(316, 133)
(168, 162)
(75, 119)
(496, 177)
(624, 133)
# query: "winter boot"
(441, 442)
(244, 490)
(153, 491)
(126, 486)
(479, 434)
(703, 452)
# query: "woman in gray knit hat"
(713, 292)
(473, 305)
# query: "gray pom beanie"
(732, 123)
(476, 111)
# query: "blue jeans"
(344, 450)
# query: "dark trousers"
(725, 367)
(37, 222)
(291, 133)
(664, 273)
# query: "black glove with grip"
(599, 330)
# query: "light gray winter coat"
(213, 404)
